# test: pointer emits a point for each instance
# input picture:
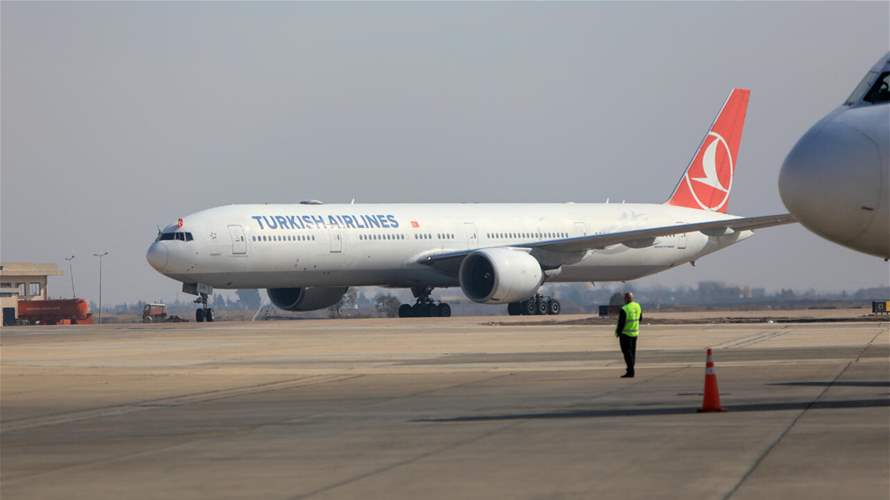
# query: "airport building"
(23, 281)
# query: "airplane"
(836, 179)
(307, 255)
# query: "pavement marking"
(796, 419)
(462, 442)
(153, 404)
(751, 339)
(251, 428)
(407, 461)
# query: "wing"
(638, 238)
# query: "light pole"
(71, 272)
(100, 255)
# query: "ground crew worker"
(627, 330)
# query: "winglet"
(707, 182)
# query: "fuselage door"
(580, 229)
(681, 241)
(336, 241)
(472, 236)
(681, 238)
(239, 241)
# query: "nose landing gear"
(205, 313)
(425, 307)
(537, 305)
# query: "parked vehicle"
(51, 312)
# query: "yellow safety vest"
(632, 312)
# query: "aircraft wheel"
(208, 316)
(444, 310)
(199, 315)
(530, 307)
(514, 309)
(555, 307)
(422, 310)
(542, 307)
(406, 311)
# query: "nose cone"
(157, 256)
(831, 180)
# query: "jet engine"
(500, 275)
(305, 298)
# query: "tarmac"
(442, 408)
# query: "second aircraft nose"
(157, 256)
(828, 180)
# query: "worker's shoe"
(628, 375)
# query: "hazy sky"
(117, 117)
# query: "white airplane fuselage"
(836, 179)
(299, 245)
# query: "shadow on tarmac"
(644, 412)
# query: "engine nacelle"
(305, 298)
(500, 275)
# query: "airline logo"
(710, 176)
(362, 221)
(707, 182)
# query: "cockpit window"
(178, 236)
(880, 91)
(873, 89)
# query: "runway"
(442, 408)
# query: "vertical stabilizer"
(707, 182)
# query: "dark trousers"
(629, 349)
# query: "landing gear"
(425, 307)
(537, 305)
(205, 313)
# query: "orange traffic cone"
(711, 400)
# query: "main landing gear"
(539, 304)
(425, 307)
(204, 313)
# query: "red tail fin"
(707, 182)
